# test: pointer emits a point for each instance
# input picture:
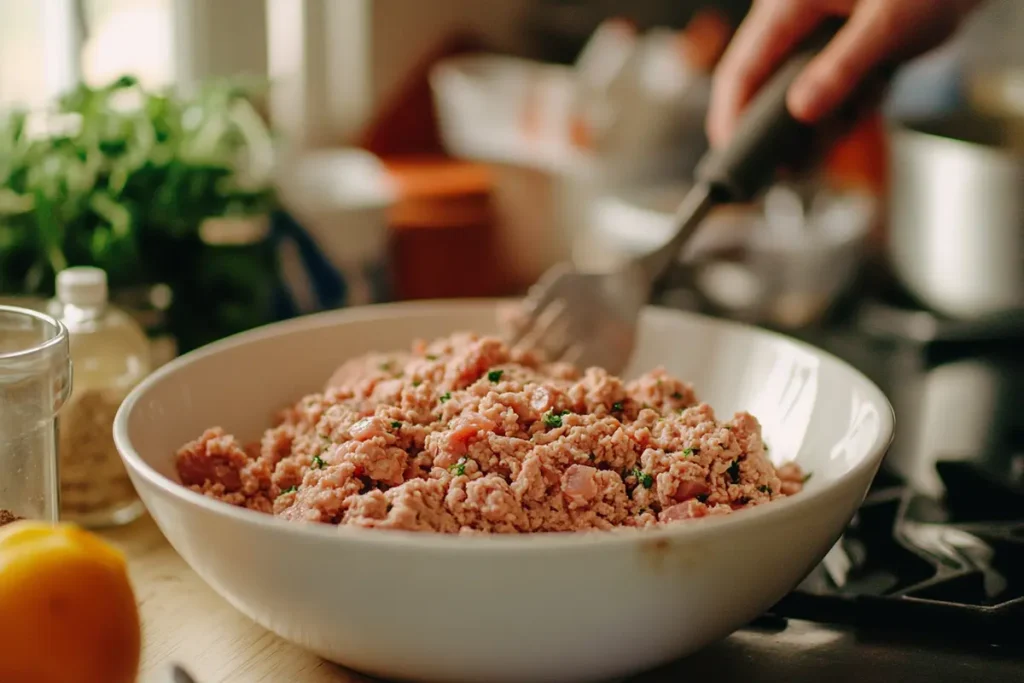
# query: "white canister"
(342, 197)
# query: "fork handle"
(767, 135)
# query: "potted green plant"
(132, 181)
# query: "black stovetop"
(915, 592)
(908, 564)
(927, 582)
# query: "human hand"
(876, 31)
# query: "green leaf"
(12, 202)
(50, 233)
(119, 217)
(121, 178)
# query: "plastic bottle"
(110, 355)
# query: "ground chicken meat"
(463, 435)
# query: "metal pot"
(956, 214)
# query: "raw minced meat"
(465, 435)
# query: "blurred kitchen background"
(235, 162)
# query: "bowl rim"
(518, 543)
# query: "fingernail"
(801, 99)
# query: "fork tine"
(572, 354)
(541, 295)
(559, 351)
(540, 336)
(548, 279)
(528, 323)
(555, 331)
(563, 334)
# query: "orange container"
(444, 226)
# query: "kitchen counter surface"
(185, 622)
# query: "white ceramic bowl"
(557, 607)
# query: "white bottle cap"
(82, 286)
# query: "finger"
(771, 30)
(868, 38)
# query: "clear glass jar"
(35, 382)
(111, 355)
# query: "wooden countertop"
(185, 622)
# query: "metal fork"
(590, 319)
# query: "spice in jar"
(92, 477)
(110, 355)
(7, 517)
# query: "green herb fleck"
(459, 468)
(677, 396)
(495, 375)
(642, 478)
(690, 451)
(734, 471)
(417, 382)
(552, 419)
(385, 366)
(431, 356)
(446, 396)
(617, 406)
(765, 489)
(395, 424)
(318, 463)
(766, 449)
(728, 425)
(290, 489)
(807, 477)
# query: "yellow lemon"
(67, 611)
